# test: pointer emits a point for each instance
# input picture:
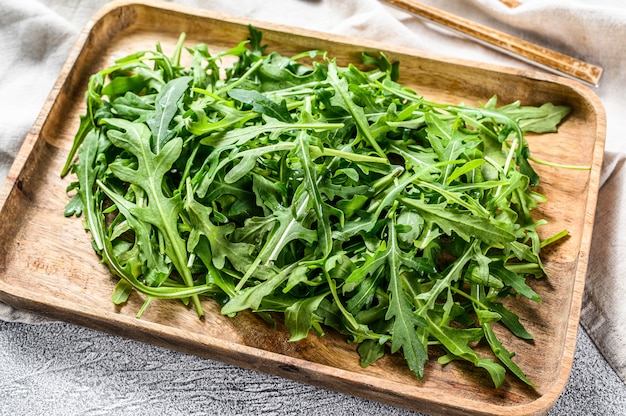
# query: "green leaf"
(457, 341)
(287, 229)
(370, 351)
(261, 104)
(510, 320)
(372, 262)
(467, 227)
(87, 172)
(121, 292)
(300, 316)
(74, 207)
(121, 85)
(239, 254)
(152, 264)
(546, 123)
(162, 211)
(239, 137)
(134, 107)
(223, 117)
(514, 280)
(405, 322)
(502, 353)
(310, 185)
(252, 296)
(166, 106)
(343, 99)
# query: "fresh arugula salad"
(327, 196)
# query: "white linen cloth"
(36, 36)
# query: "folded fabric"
(603, 310)
(34, 43)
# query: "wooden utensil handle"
(530, 52)
(511, 3)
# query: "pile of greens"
(333, 196)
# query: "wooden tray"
(47, 264)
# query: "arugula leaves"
(331, 195)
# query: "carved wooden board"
(47, 264)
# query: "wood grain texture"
(511, 3)
(530, 52)
(47, 264)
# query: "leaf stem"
(558, 165)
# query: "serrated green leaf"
(405, 322)
(162, 211)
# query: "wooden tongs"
(531, 53)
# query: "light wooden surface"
(526, 51)
(47, 264)
(511, 3)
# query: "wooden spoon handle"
(511, 3)
(529, 52)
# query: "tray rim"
(93, 318)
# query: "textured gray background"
(62, 369)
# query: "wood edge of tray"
(585, 248)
